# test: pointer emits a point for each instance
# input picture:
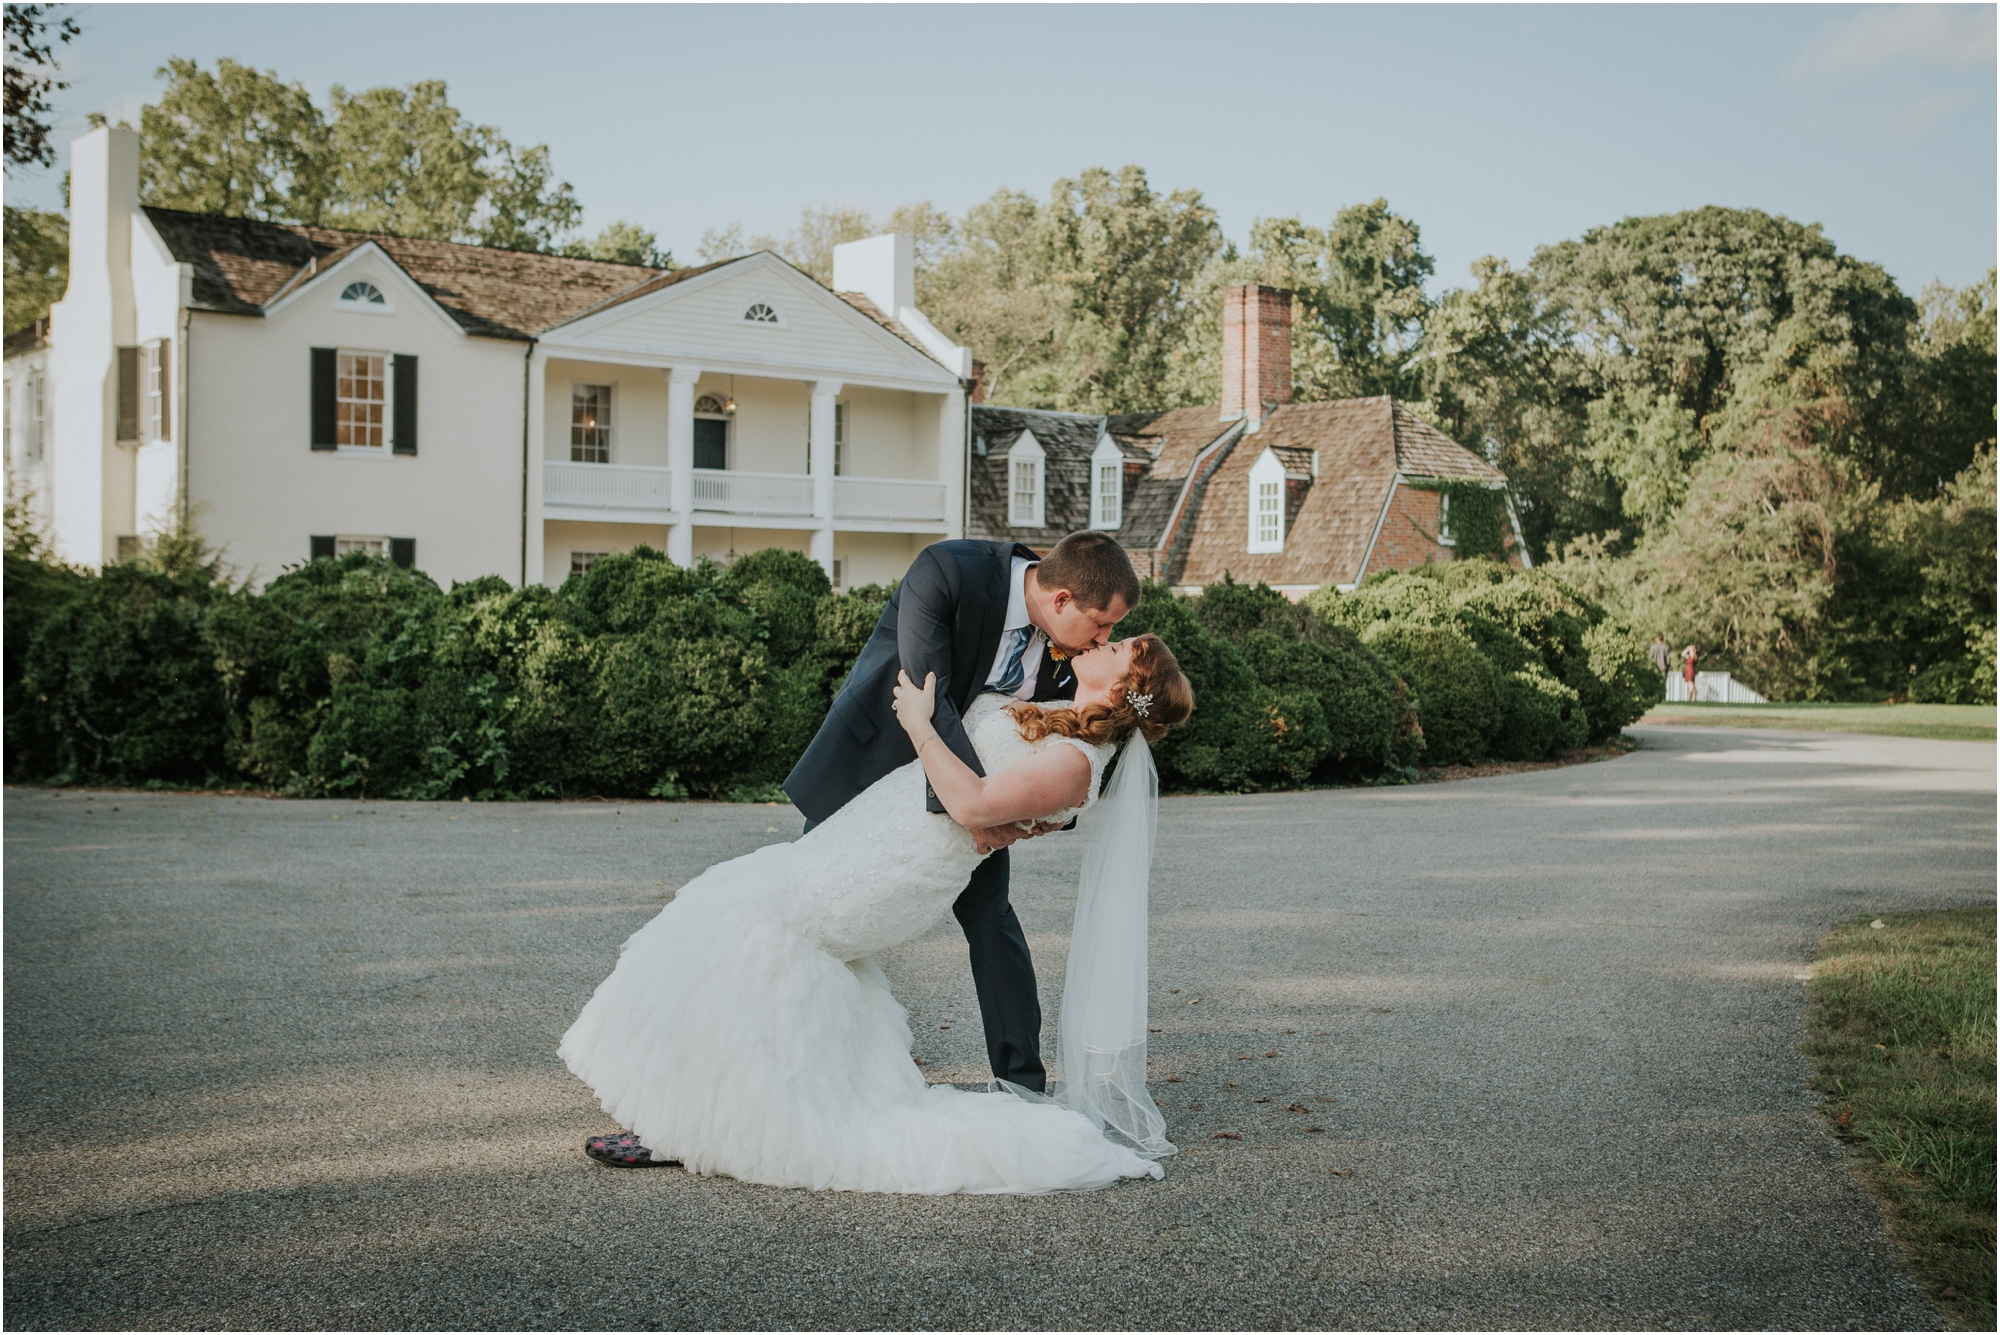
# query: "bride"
(747, 1031)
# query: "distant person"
(1663, 657)
(1688, 657)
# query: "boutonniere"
(1059, 655)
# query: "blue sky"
(1495, 127)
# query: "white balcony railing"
(780, 495)
(888, 498)
(616, 487)
(607, 486)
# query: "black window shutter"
(166, 355)
(325, 374)
(403, 551)
(128, 393)
(322, 546)
(403, 435)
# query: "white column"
(951, 459)
(820, 452)
(680, 460)
(534, 557)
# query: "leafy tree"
(237, 141)
(1080, 302)
(37, 263)
(990, 291)
(33, 32)
(622, 243)
(1358, 304)
(242, 142)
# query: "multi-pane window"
(159, 406)
(1444, 520)
(1270, 512)
(839, 439)
(839, 573)
(1110, 488)
(361, 403)
(590, 424)
(343, 546)
(1027, 492)
(581, 561)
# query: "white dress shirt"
(1017, 617)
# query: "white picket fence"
(1712, 688)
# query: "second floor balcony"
(631, 493)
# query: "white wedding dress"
(747, 1031)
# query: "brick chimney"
(1256, 351)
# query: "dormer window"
(1267, 504)
(1025, 482)
(1107, 484)
(762, 312)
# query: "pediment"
(756, 313)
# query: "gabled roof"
(1173, 438)
(240, 264)
(1067, 440)
(1362, 445)
(896, 327)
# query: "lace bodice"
(882, 869)
(996, 736)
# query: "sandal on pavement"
(624, 1151)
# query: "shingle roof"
(1362, 444)
(241, 264)
(894, 326)
(1424, 451)
(1173, 437)
(1067, 440)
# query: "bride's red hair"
(1155, 672)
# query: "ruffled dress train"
(748, 1032)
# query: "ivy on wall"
(1477, 516)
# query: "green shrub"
(1457, 689)
(37, 593)
(1355, 693)
(1540, 718)
(124, 682)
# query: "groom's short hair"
(1093, 567)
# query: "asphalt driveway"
(1507, 1052)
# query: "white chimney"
(882, 269)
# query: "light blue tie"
(1011, 675)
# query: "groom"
(984, 616)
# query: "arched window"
(761, 312)
(708, 403)
(361, 291)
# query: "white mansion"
(299, 391)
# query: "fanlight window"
(708, 403)
(363, 293)
(760, 312)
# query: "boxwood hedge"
(352, 677)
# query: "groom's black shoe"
(623, 1151)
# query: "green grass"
(1902, 1043)
(1949, 723)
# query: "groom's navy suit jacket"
(945, 617)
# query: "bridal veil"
(1101, 1037)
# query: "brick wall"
(1256, 350)
(1409, 533)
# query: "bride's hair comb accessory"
(1138, 702)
